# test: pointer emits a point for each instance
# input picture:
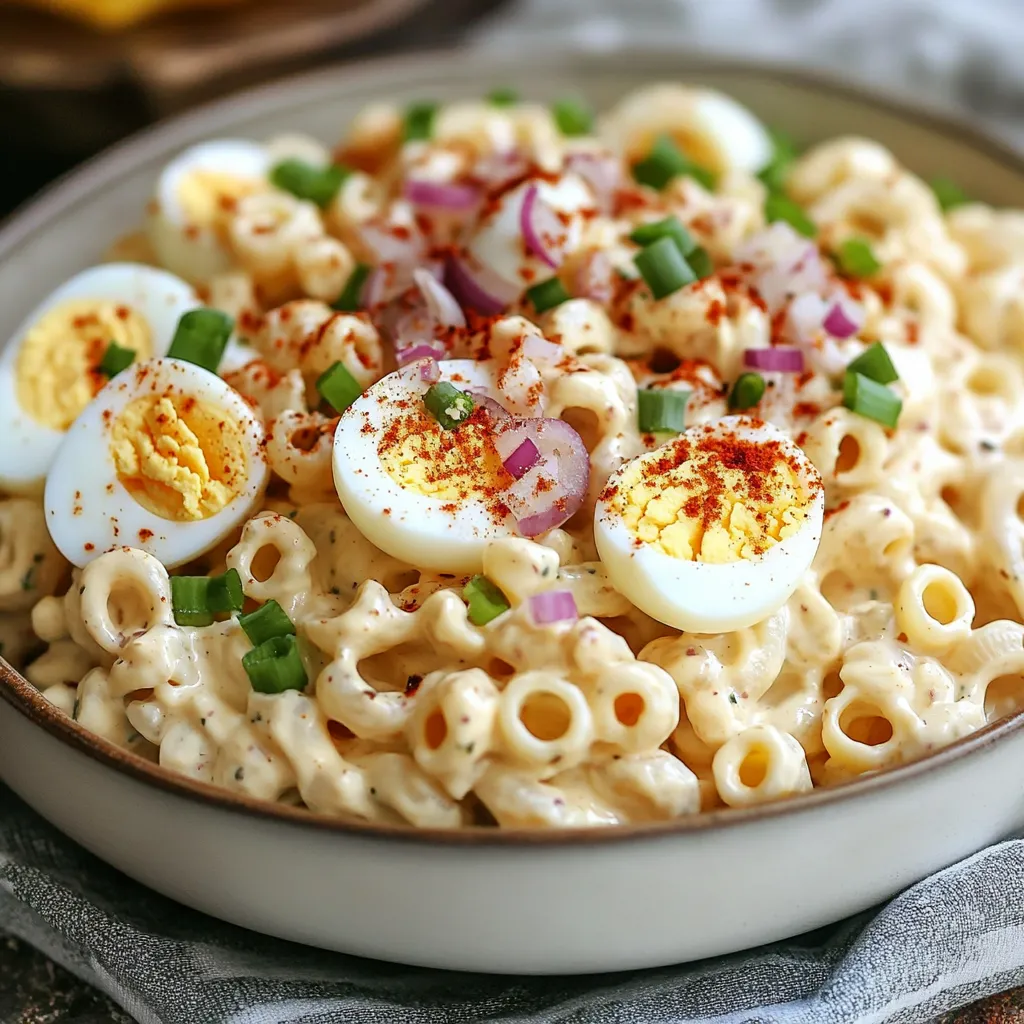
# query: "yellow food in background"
(57, 372)
(180, 458)
(113, 14)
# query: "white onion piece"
(603, 172)
(543, 232)
(441, 304)
(401, 244)
(476, 288)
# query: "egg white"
(89, 510)
(159, 297)
(497, 243)
(194, 252)
(417, 530)
(705, 597)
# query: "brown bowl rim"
(78, 184)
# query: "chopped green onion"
(448, 405)
(266, 622)
(338, 387)
(948, 193)
(201, 337)
(351, 298)
(485, 600)
(778, 208)
(225, 592)
(670, 227)
(275, 666)
(572, 116)
(189, 600)
(547, 294)
(666, 161)
(305, 181)
(195, 599)
(116, 359)
(419, 120)
(664, 267)
(868, 398)
(874, 362)
(855, 258)
(700, 262)
(784, 153)
(661, 411)
(747, 391)
(503, 97)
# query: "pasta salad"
(509, 466)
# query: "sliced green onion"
(447, 404)
(572, 116)
(351, 298)
(317, 184)
(868, 398)
(666, 161)
(855, 258)
(874, 362)
(275, 666)
(503, 97)
(670, 227)
(747, 391)
(784, 153)
(116, 359)
(664, 267)
(700, 262)
(547, 295)
(190, 600)
(485, 600)
(948, 193)
(661, 411)
(225, 592)
(201, 337)
(195, 599)
(338, 387)
(778, 208)
(419, 120)
(265, 623)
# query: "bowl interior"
(70, 226)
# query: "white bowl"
(489, 900)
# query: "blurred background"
(76, 75)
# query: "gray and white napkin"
(950, 940)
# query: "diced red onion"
(521, 386)
(471, 292)
(805, 316)
(553, 490)
(541, 228)
(433, 352)
(595, 277)
(443, 196)
(553, 606)
(843, 320)
(410, 328)
(524, 458)
(373, 288)
(491, 406)
(538, 349)
(440, 302)
(603, 172)
(497, 170)
(784, 264)
(392, 243)
(774, 360)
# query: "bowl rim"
(104, 169)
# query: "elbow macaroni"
(904, 634)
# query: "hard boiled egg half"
(712, 531)
(167, 458)
(195, 194)
(429, 496)
(50, 368)
(710, 128)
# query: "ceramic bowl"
(488, 900)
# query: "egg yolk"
(713, 499)
(451, 465)
(207, 197)
(180, 458)
(57, 373)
